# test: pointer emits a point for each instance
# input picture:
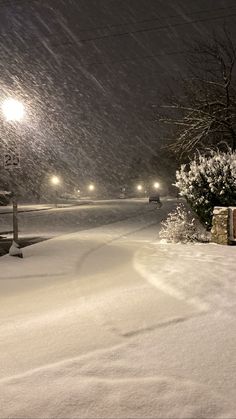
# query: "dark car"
(155, 199)
(5, 197)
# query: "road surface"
(39, 222)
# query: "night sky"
(92, 71)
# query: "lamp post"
(13, 111)
(55, 181)
(156, 185)
(91, 189)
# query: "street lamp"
(91, 187)
(13, 111)
(139, 187)
(55, 181)
(156, 185)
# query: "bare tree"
(204, 115)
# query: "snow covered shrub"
(208, 181)
(179, 227)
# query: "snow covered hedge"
(208, 181)
(181, 227)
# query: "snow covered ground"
(110, 323)
(202, 274)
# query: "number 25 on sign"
(11, 159)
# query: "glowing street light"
(139, 187)
(91, 187)
(156, 185)
(13, 110)
(55, 180)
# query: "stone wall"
(220, 231)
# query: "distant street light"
(91, 187)
(139, 187)
(13, 111)
(156, 185)
(55, 181)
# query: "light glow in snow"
(91, 187)
(55, 180)
(13, 110)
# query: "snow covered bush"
(208, 181)
(179, 227)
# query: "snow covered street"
(48, 221)
(93, 324)
(42, 221)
